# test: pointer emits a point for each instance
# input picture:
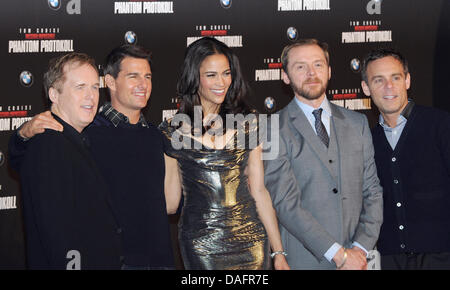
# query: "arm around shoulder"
(19, 140)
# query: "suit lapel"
(301, 123)
(339, 124)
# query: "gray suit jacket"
(324, 195)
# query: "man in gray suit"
(323, 182)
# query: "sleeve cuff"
(329, 255)
(361, 247)
(21, 138)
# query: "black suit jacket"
(66, 205)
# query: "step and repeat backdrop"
(33, 31)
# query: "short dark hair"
(381, 53)
(303, 42)
(54, 76)
(115, 57)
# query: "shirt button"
(401, 227)
(395, 181)
(394, 159)
(402, 246)
(399, 204)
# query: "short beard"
(308, 95)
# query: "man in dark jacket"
(412, 154)
(128, 151)
(69, 221)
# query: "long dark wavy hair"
(189, 82)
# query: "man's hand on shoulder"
(38, 124)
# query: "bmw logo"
(130, 37)
(54, 4)
(2, 158)
(355, 65)
(26, 78)
(292, 33)
(225, 3)
(270, 104)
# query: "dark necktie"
(320, 127)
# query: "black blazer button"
(335, 190)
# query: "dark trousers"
(416, 261)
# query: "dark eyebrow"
(376, 76)
(136, 74)
(392, 75)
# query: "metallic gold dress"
(219, 227)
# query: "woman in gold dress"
(227, 219)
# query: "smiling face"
(132, 87)
(76, 98)
(307, 73)
(215, 79)
(387, 84)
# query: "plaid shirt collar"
(116, 117)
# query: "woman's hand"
(280, 263)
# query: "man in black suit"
(123, 144)
(412, 154)
(69, 222)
